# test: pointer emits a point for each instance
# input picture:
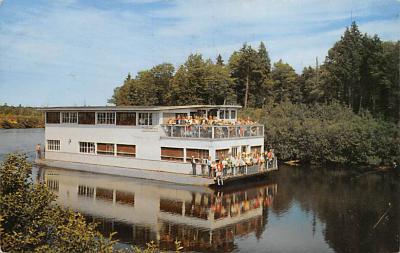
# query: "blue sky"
(75, 52)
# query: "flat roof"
(135, 108)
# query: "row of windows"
(108, 149)
(167, 153)
(109, 118)
(177, 154)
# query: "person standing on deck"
(270, 157)
(208, 162)
(193, 162)
(220, 180)
(38, 150)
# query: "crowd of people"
(234, 165)
(210, 120)
(201, 127)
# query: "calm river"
(297, 210)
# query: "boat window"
(84, 190)
(86, 118)
(126, 150)
(53, 185)
(103, 193)
(69, 117)
(105, 148)
(172, 154)
(53, 117)
(255, 149)
(145, 119)
(233, 114)
(224, 114)
(221, 153)
(171, 206)
(198, 154)
(124, 197)
(86, 147)
(212, 113)
(126, 118)
(106, 118)
(235, 151)
(53, 144)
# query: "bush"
(327, 133)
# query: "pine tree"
(243, 66)
(219, 60)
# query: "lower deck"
(201, 179)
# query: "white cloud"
(89, 49)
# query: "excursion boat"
(153, 142)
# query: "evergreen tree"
(243, 66)
(285, 83)
(219, 60)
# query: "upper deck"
(189, 122)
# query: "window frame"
(109, 118)
(108, 151)
(233, 114)
(53, 118)
(69, 118)
(148, 119)
(85, 121)
(123, 121)
(125, 154)
(53, 145)
(88, 148)
(173, 158)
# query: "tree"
(219, 60)
(243, 66)
(310, 85)
(149, 87)
(200, 81)
(30, 221)
(284, 83)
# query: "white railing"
(213, 132)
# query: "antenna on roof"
(84, 102)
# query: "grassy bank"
(20, 117)
(327, 134)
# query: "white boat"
(149, 141)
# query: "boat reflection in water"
(141, 211)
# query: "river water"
(295, 210)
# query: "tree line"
(360, 71)
(20, 117)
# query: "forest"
(344, 110)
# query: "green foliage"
(30, 221)
(327, 133)
(284, 84)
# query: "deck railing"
(234, 171)
(213, 132)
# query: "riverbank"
(20, 117)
